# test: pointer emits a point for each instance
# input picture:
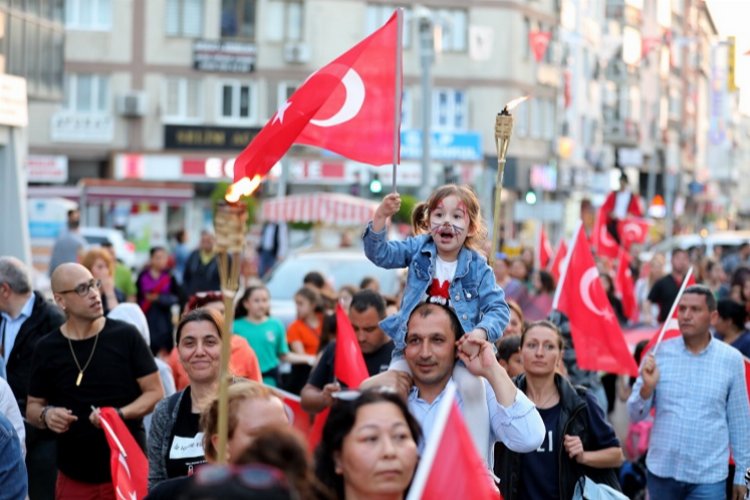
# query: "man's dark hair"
(315, 279)
(706, 292)
(74, 218)
(745, 245)
(734, 311)
(364, 299)
(426, 308)
(507, 346)
(153, 250)
(677, 251)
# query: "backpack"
(637, 440)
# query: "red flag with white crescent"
(597, 338)
(556, 267)
(633, 230)
(625, 286)
(671, 327)
(545, 249)
(128, 463)
(451, 466)
(603, 243)
(348, 107)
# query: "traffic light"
(376, 187)
(530, 197)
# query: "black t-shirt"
(539, 471)
(663, 294)
(121, 357)
(377, 361)
(186, 440)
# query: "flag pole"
(397, 103)
(432, 442)
(671, 311)
(564, 272)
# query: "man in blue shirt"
(696, 385)
(13, 479)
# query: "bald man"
(89, 361)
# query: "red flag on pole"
(545, 249)
(348, 363)
(451, 466)
(128, 463)
(348, 107)
(633, 230)
(671, 328)
(625, 286)
(557, 262)
(294, 403)
(747, 376)
(597, 338)
(603, 243)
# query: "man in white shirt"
(432, 332)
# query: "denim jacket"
(474, 295)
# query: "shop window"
(238, 19)
(449, 109)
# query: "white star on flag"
(280, 112)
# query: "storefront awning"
(327, 208)
(98, 191)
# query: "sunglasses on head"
(255, 476)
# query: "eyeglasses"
(253, 476)
(83, 289)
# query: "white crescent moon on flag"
(355, 97)
(605, 238)
(634, 229)
(585, 288)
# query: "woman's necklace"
(546, 401)
(75, 359)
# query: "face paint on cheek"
(457, 230)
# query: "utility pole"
(427, 57)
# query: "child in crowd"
(509, 354)
(444, 266)
(264, 333)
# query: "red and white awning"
(327, 208)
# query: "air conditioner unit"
(132, 104)
(296, 52)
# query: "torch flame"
(243, 187)
(515, 102)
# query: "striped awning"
(327, 208)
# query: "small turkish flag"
(624, 285)
(316, 431)
(545, 249)
(348, 107)
(604, 244)
(597, 338)
(671, 327)
(451, 466)
(633, 230)
(557, 262)
(294, 403)
(128, 463)
(539, 40)
(348, 363)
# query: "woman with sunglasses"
(369, 447)
(578, 440)
(175, 443)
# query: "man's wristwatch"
(43, 416)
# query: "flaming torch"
(230, 222)
(503, 131)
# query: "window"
(237, 101)
(182, 102)
(286, 89)
(94, 15)
(284, 20)
(87, 93)
(449, 110)
(377, 15)
(238, 19)
(453, 29)
(184, 18)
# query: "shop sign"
(52, 169)
(224, 56)
(208, 138)
(67, 126)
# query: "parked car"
(340, 267)
(124, 249)
(729, 241)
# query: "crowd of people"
(149, 346)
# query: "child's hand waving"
(388, 207)
(469, 348)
